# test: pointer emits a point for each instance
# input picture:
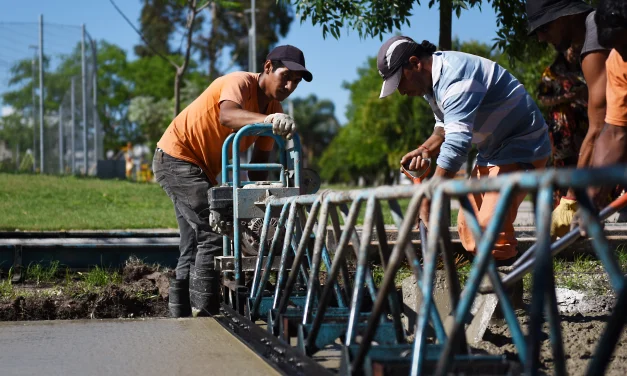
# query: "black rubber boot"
(204, 291)
(178, 303)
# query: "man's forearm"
(238, 118)
(596, 117)
(434, 142)
(440, 172)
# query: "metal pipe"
(41, 94)
(73, 126)
(270, 258)
(543, 267)
(34, 116)
(300, 253)
(263, 244)
(61, 139)
(525, 263)
(314, 282)
(360, 275)
(396, 258)
(342, 246)
(84, 100)
(289, 231)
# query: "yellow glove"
(562, 217)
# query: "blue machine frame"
(289, 159)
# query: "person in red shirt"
(189, 158)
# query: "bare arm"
(594, 71)
(415, 158)
(233, 116)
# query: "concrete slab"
(151, 347)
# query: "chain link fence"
(69, 139)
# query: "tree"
(229, 29)
(317, 125)
(379, 132)
(191, 9)
(151, 115)
(373, 18)
(156, 24)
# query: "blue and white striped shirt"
(479, 102)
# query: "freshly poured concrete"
(152, 347)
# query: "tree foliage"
(317, 125)
(378, 133)
(373, 18)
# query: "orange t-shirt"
(616, 92)
(196, 135)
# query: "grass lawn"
(385, 208)
(42, 202)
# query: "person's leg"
(505, 247)
(187, 246)
(161, 166)
(610, 149)
(179, 299)
(465, 234)
(189, 187)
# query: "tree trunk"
(177, 91)
(212, 52)
(446, 25)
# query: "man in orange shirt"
(189, 158)
(611, 146)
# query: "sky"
(331, 61)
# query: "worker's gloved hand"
(563, 217)
(282, 124)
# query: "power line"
(142, 35)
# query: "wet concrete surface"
(198, 346)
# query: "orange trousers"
(485, 204)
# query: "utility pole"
(41, 93)
(33, 111)
(84, 92)
(61, 138)
(253, 35)
(96, 119)
(73, 127)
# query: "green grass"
(42, 202)
(42, 274)
(98, 277)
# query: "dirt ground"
(142, 292)
(580, 335)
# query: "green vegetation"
(99, 277)
(42, 274)
(41, 202)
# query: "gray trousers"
(187, 186)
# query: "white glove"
(282, 124)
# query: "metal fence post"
(41, 93)
(84, 104)
(73, 126)
(61, 139)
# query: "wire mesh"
(70, 140)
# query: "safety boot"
(204, 291)
(178, 298)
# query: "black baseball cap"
(541, 12)
(292, 58)
(394, 53)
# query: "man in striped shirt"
(475, 101)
